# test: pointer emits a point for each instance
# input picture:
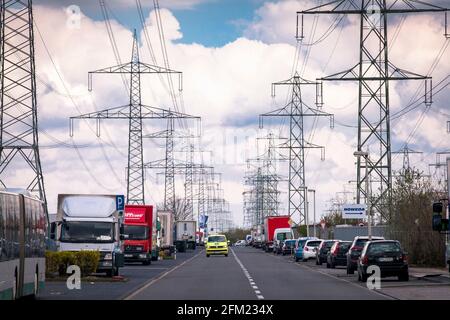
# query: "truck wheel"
(350, 270)
(207, 255)
(147, 262)
(226, 255)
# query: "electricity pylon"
(406, 152)
(296, 110)
(169, 161)
(135, 112)
(19, 145)
(373, 72)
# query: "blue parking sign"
(120, 203)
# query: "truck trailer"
(185, 235)
(165, 235)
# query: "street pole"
(360, 154)
(307, 212)
(369, 209)
(314, 210)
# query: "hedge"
(57, 262)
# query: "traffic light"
(437, 207)
(437, 222)
(444, 225)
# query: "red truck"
(138, 227)
(272, 223)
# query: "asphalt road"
(249, 273)
(246, 274)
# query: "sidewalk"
(420, 272)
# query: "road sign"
(354, 211)
(120, 203)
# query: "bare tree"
(181, 210)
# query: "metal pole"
(369, 210)
(307, 212)
(314, 221)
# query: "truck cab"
(138, 229)
(280, 235)
(91, 222)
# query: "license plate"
(386, 259)
(128, 256)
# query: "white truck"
(185, 235)
(91, 222)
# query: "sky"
(229, 52)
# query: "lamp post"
(307, 211)
(365, 155)
(314, 214)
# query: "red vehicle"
(138, 227)
(199, 238)
(270, 224)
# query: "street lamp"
(314, 218)
(365, 155)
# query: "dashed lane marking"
(250, 279)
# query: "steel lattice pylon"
(297, 110)
(135, 113)
(19, 147)
(169, 184)
(373, 72)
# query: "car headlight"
(108, 256)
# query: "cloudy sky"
(230, 52)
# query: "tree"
(412, 199)
(237, 234)
(181, 210)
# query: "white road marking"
(250, 279)
(152, 281)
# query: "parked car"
(288, 247)
(240, 243)
(355, 251)
(277, 247)
(337, 256)
(301, 251)
(388, 255)
(323, 250)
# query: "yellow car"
(216, 244)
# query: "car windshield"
(361, 242)
(328, 244)
(216, 239)
(86, 231)
(136, 232)
(283, 236)
(314, 243)
(289, 243)
(385, 247)
(301, 243)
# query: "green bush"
(88, 261)
(52, 261)
(58, 262)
